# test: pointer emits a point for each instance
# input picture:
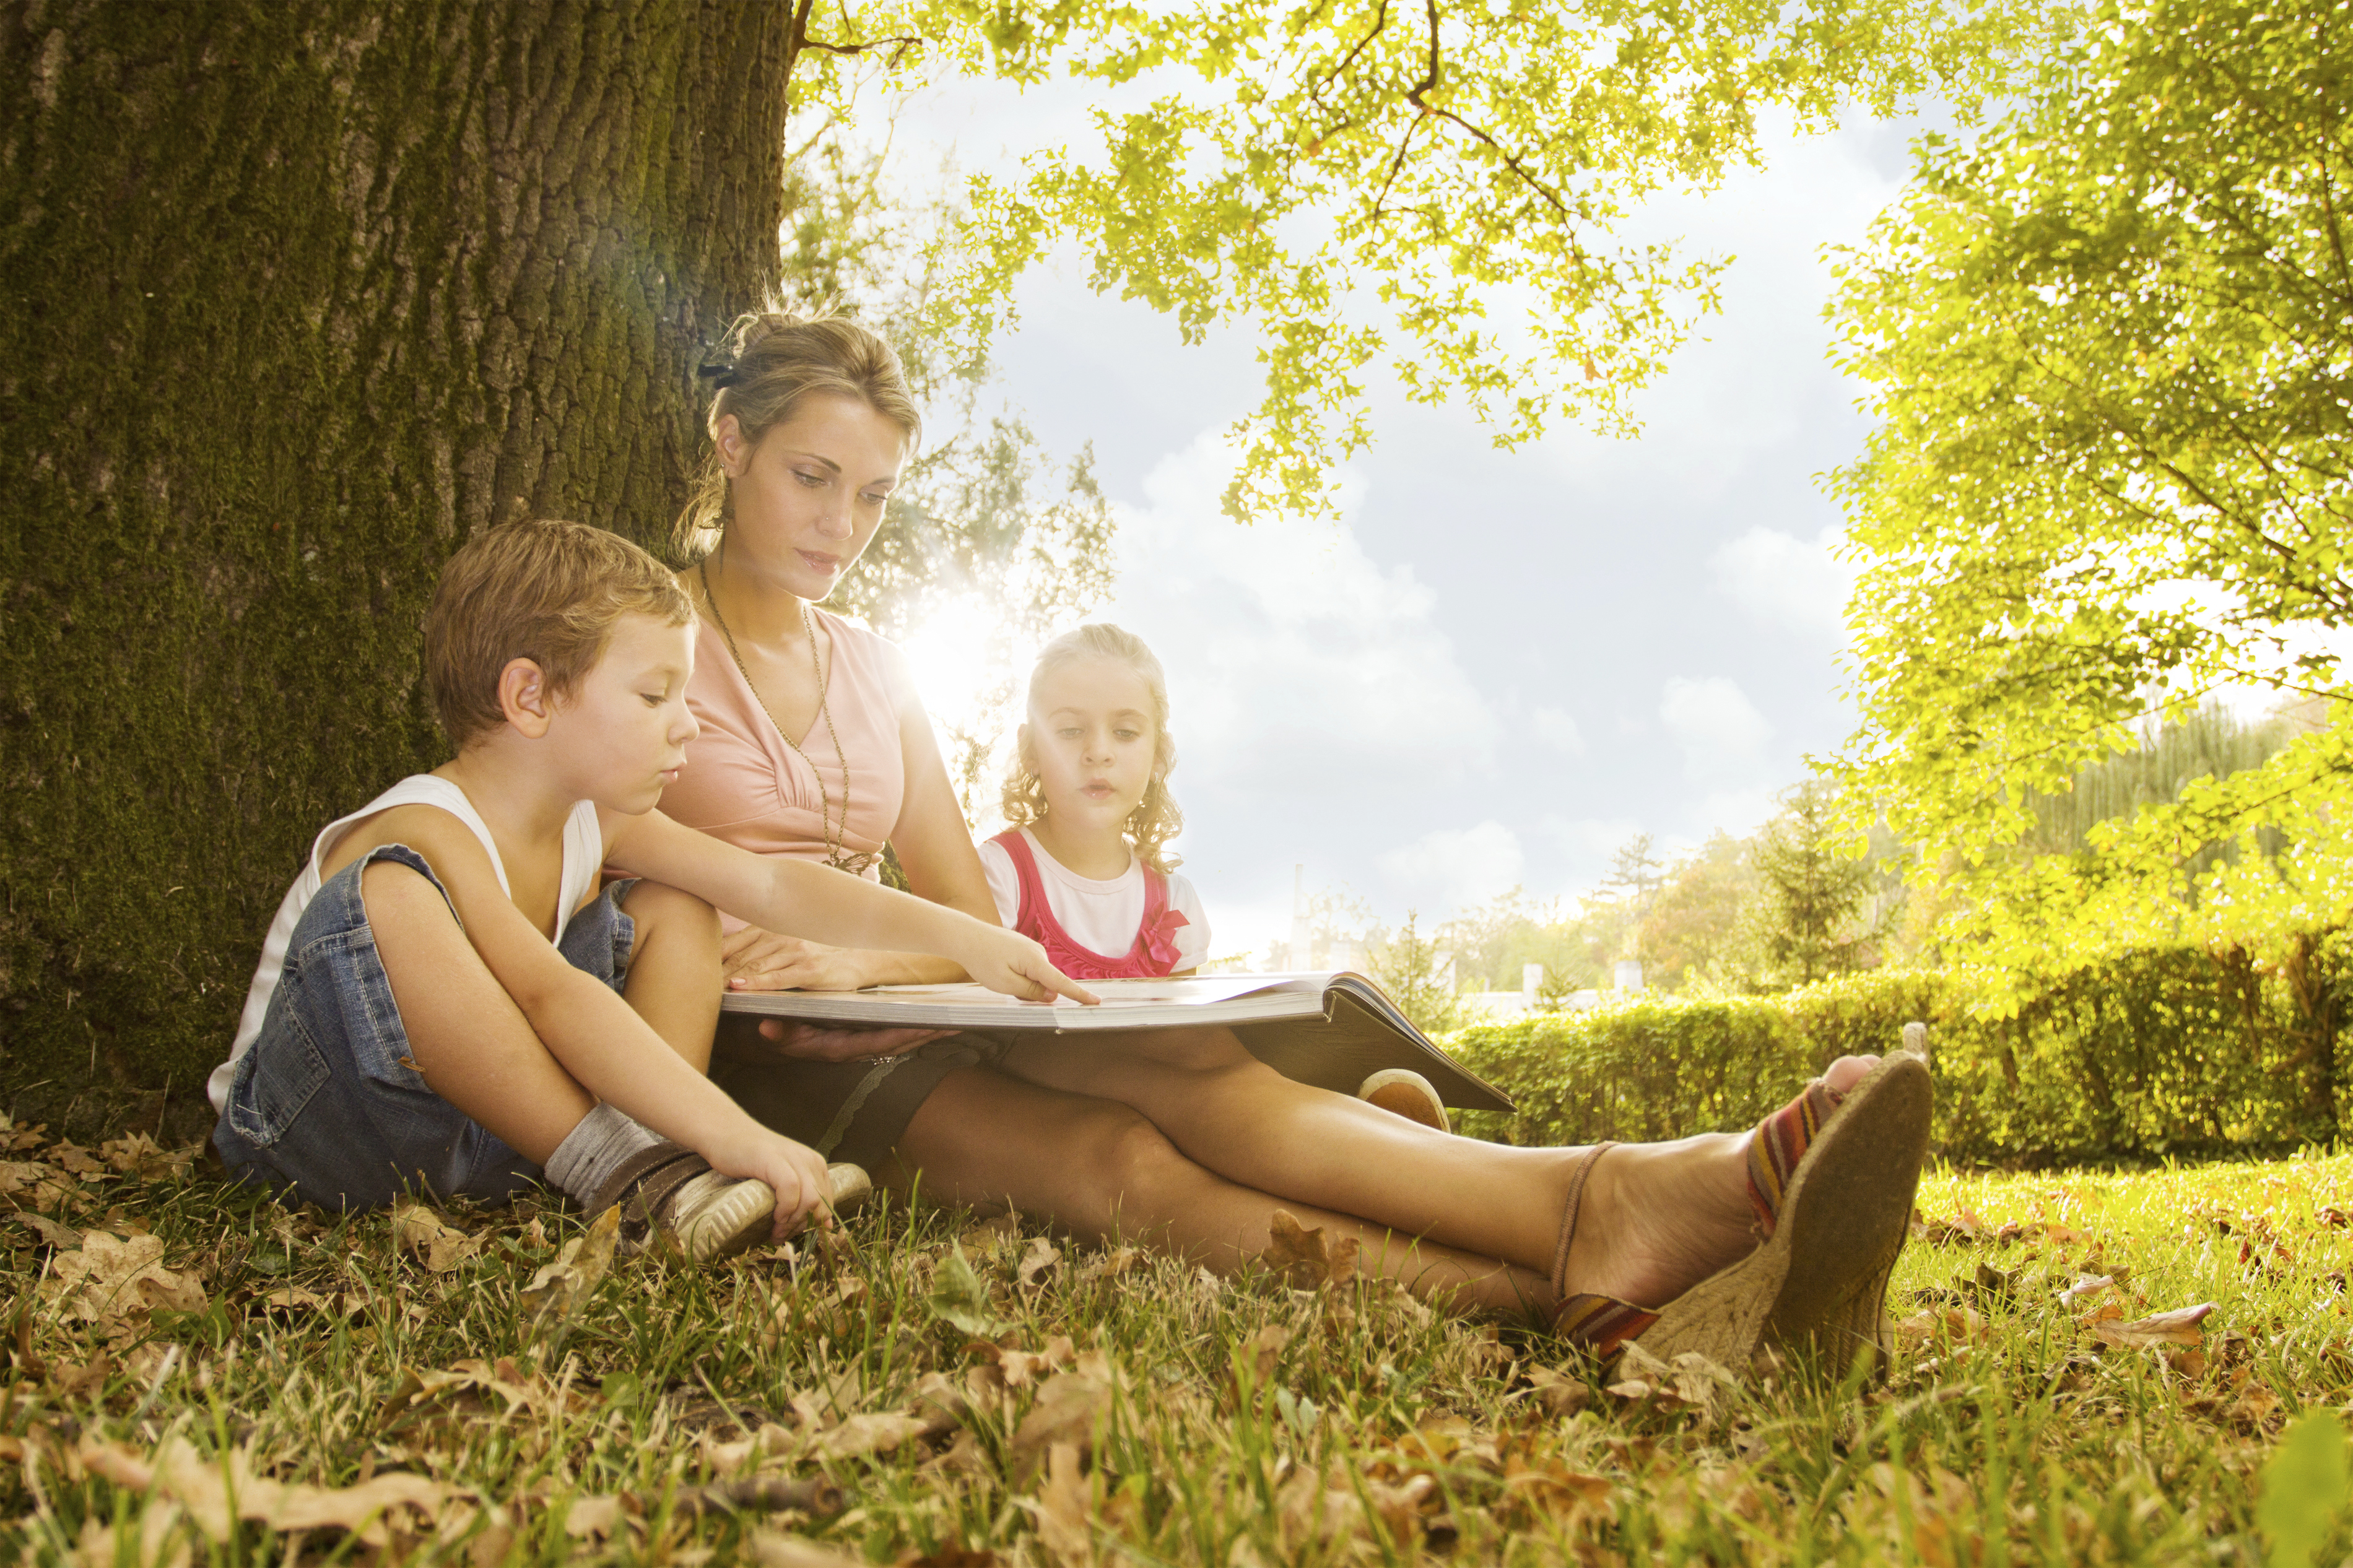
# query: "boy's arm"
(591, 1032)
(797, 898)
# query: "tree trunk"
(299, 293)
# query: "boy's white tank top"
(583, 858)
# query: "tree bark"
(294, 295)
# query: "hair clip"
(721, 376)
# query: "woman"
(815, 743)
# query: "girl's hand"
(756, 960)
(1010, 963)
(823, 1043)
(795, 1170)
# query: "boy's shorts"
(327, 1100)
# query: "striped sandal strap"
(1780, 1142)
(1600, 1324)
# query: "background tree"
(1693, 931)
(1315, 169)
(2114, 475)
(1801, 918)
(1418, 977)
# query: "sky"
(1496, 665)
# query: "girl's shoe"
(1832, 1179)
(1405, 1092)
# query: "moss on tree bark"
(293, 298)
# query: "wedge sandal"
(1832, 1179)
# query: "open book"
(1330, 1030)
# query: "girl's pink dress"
(1153, 954)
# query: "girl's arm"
(797, 898)
(936, 851)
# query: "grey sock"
(593, 1150)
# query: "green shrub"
(2150, 1052)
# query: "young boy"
(446, 1002)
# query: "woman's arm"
(800, 899)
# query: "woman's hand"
(1011, 963)
(827, 1043)
(794, 1171)
(756, 960)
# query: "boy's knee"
(655, 906)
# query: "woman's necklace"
(835, 855)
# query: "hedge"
(2153, 1053)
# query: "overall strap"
(1025, 871)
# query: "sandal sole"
(1843, 1219)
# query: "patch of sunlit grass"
(257, 1385)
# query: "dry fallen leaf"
(137, 1155)
(1557, 1394)
(2178, 1327)
(214, 1499)
(77, 1160)
(873, 1433)
(1068, 1406)
(557, 1290)
(419, 1230)
(594, 1518)
(1042, 1255)
(1062, 1508)
(1304, 1258)
(1110, 1264)
(113, 1280)
(772, 1549)
(1021, 1368)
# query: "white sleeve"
(1192, 936)
(1004, 881)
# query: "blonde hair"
(1155, 819)
(775, 363)
(548, 592)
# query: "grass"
(975, 1399)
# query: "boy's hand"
(795, 1170)
(1009, 962)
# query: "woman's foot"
(1656, 1219)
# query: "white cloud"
(1558, 731)
(1453, 868)
(1722, 734)
(1785, 581)
(1296, 664)
(1588, 843)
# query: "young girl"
(1085, 869)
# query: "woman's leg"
(1656, 1219)
(1100, 1170)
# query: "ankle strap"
(1568, 1216)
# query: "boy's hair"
(1155, 819)
(548, 592)
(776, 363)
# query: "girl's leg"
(1656, 1219)
(674, 980)
(1100, 1170)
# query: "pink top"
(1152, 954)
(742, 783)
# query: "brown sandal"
(1832, 1179)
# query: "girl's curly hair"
(1155, 819)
